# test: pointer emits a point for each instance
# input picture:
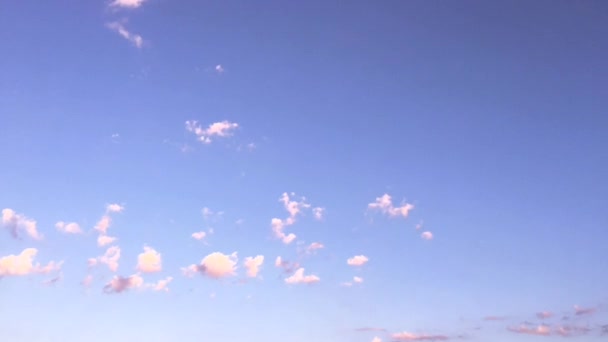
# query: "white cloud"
(219, 69)
(357, 260)
(299, 278)
(149, 261)
(253, 264)
(120, 284)
(215, 265)
(104, 240)
(103, 224)
(294, 208)
(314, 246)
(69, 228)
(23, 264)
(114, 208)
(427, 235)
(385, 205)
(318, 213)
(127, 3)
(217, 129)
(199, 235)
(15, 222)
(119, 28)
(278, 261)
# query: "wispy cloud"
(299, 278)
(162, 285)
(384, 204)
(120, 284)
(23, 264)
(365, 329)
(114, 208)
(217, 129)
(314, 246)
(215, 265)
(253, 265)
(119, 28)
(149, 261)
(542, 330)
(199, 235)
(583, 311)
(544, 314)
(127, 3)
(287, 266)
(407, 336)
(68, 228)
(18, 222)
(427, 235)
(357, 260)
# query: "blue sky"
(454, 152)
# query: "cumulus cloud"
(109, 258)
(542, 330)
(119, 28)
(199, 235)
(120, 284)
(427, 235)
(294, 208)
(215, 265)
(299, 278)
(104, 240)
(253, 265)
(149, 261)
(357, 280)
(384, 204)
(69, 228)
(114, 208)
(357, 260)
(314, 246)
(406, 336)
(217, 129)
(278, 227)
(18, 222)
(127, 3)
(288, 267)
(23, 264)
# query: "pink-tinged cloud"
(278, 226)
(149, 261)
(318, 213)
(104, 240)
(357, 260)
(406, 336)
(23, 264)
(216, 129)
(357, 280)
(419, 225)
(541, 330)
(215, 265)
(162, 285)
(199, 235)
(583, 311)
(299, 278)
(288, 267)
(544, 314)
(86, 282)
(110, 259)
(114, 208)
(18, 222)
(121, 284)
(427, 235)
(253, 265)
(127, 3)
(68, 228)
(103, 224)
(571, 330)
(119, 28)
(384, 204)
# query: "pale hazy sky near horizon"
(331, 171)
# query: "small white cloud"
(253, 265)
(299, 278)
(149, 261)
(68, 228)
(384, 204)
(127, 3)
(104, 240)
(357, 260)
(318, 213)
(427, 235)
(314, 246)
(217, 129)
(199, 235)
(119, 28)
(114, 208)
(86, 282)
(219, 69)
(16, 222)
(357, 280)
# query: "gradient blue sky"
(489, 117)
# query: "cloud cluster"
(294, 209)
(384, 204)
(23, 264)
(127, 3)
(253, 265)
(15, 223)
(220, 129)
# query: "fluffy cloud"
(121, 284)
(16, 222)
(127, 3)
(114, 208)
(110, 259)
(216, 129)
(299, 278)
(215, 265)
(357, 260)
(199, 235)
(384, 204)
(103, 224)
(69, 228)
(149, 261)
(253, 264)
(119, 28)
(427, 235)
(406, 336)
(23, 264)
(104, 240)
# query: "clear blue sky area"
(331, 171)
